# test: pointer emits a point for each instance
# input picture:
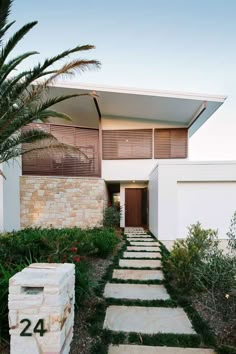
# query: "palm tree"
(23, 94)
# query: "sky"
(174, 45)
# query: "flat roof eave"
(183, 109)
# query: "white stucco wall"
(10, 196)
(127, 170)
(131, 123)
(153, 201)
(189, 192)
(211, 203)
(122, 198)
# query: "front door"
(135, 207)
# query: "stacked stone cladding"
(62, 201)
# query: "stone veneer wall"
(62, 201)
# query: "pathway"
(140, 266)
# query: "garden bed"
(201, 275)
(224, 328)
(90, 250)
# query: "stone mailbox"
(41, 309)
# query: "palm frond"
(11, 147)
(23, 95)
(80, 65)
(13, 41)
(6, 69)
(4, 30)
(5, 7)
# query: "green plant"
(217, 277)
(5, 274)
(19, 249)
(232, 233)
(105, 241)
(186, 254)
(22, 100)
(111, 217)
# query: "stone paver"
(140, 243)
(137, 235)
(143, 248)
(136, 291)
(138, 263)
(144, 319)
(149, 320)
(140, 239)
(142, 349)
(141, 255)
(137, 274)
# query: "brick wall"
(62, 202)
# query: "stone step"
(148, 320)
(141, 243)
(138, 263)
(136, 291)
(144, 239)
(137, 274)
(149, 255)
(137, 235)
(143, 248)
(143, 349)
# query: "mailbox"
(41, 309)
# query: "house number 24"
(38, 328)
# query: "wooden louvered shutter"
(63, 162)
(170, 143)
(179, 143)
(127, 144)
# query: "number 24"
(39, 328)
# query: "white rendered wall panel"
(211, 203)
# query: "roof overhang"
(171, 108)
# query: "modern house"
(132, 149)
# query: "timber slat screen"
(170, 143)
(127, 144)
(83, 161)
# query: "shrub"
(232, 233)
(217, 277)
(19, 249)
(186, 254)
(55, 245)
(104, 241)
(111, 217)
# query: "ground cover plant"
(81, 247)
(201, 272)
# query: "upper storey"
(113, 125)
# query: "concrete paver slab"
(137, 274)
(149, 255)
(136, 291)
(139, 263)
(141, 243)
(149, 320)
(143, 248)
(142, 349)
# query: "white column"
(10, 195)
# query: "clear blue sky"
(183, 45)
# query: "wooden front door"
(134, 198)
